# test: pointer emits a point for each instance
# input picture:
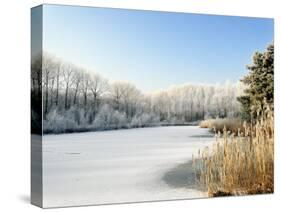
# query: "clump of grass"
(241, 164)
(218, 124)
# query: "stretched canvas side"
(36, 107)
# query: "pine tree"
(260, 83)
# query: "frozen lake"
(117, 166)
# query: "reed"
(239, 164)
(218, 124)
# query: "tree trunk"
(65, 97)
(85, 99)
(95, 106)
(52, 89)
(75, 94)
(46, 95)
(57, 94)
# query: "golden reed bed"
(239, 164)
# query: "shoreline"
(92, 129)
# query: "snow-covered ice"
(117, 166)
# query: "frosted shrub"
(73, 114)
(119, 120)
(144, 120)
(103, 119)
(155, 119)
(56, 123)
(135, 122)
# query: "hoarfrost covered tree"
(36, 93)
(108, 118)
(116, 92)
(98, 86)
(130, 98)
(48, 74)
(76, 81)
(85, 87)
(36, 75)
(67, 73)
(76, 99)
(58, 74)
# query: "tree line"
(76, 99)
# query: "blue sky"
(155, 50)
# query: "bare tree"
(76, 81)
(48, 66)
(52, 90)
(98, 85)
(36, 75)
(130, 97)
(67, 72)
(85, 86)
(116, 91)
(58, 74)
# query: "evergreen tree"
(260, 83)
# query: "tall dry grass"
(242, 164)
(218, 124)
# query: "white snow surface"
(117, 166)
